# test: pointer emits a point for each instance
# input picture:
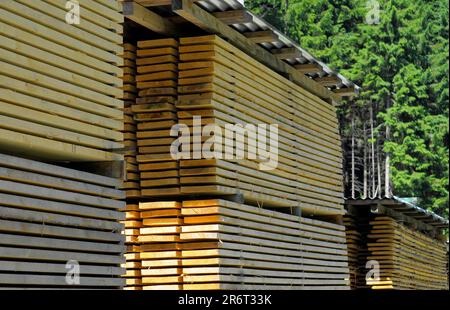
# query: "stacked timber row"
(353, 244)
(407, 258)
(60, 84)
(222, 85)
(131, 184)
(160, 245)
(155, 113)
(55, 221)
(132, 221)
(218, 244)
(356, 235)
(132, 224)
(61, 101)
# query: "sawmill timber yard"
(88, 180)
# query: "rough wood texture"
(60, 86)
(51, 215)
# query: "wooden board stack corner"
(132, 224)
(155, 113)
(131, 184)
(159, 237)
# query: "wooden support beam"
(345, 91)
(151, 3)
(261, 36)
(286, 53)
(234, 17)
(308, 68)
(148, 19)
(330, 80)
(201, 18)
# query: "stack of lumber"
(60, 95)
(356, 233)
(131, 184)
(217, 244)
(50, 216)
(353, 245)
(155, 113)
(132, 224)
(408, 259)
(225, 86)
(159, 238)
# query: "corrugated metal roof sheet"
(405, 206)
(422, 212)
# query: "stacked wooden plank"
(52, 216)
(132, 224)
(131, 184)
(356, 235)
(155, 114)
(408, 259)
(225, 86)
(218, 244)
(160, 251)
(353, 244)
(59, 82)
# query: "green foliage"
(402, 65)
